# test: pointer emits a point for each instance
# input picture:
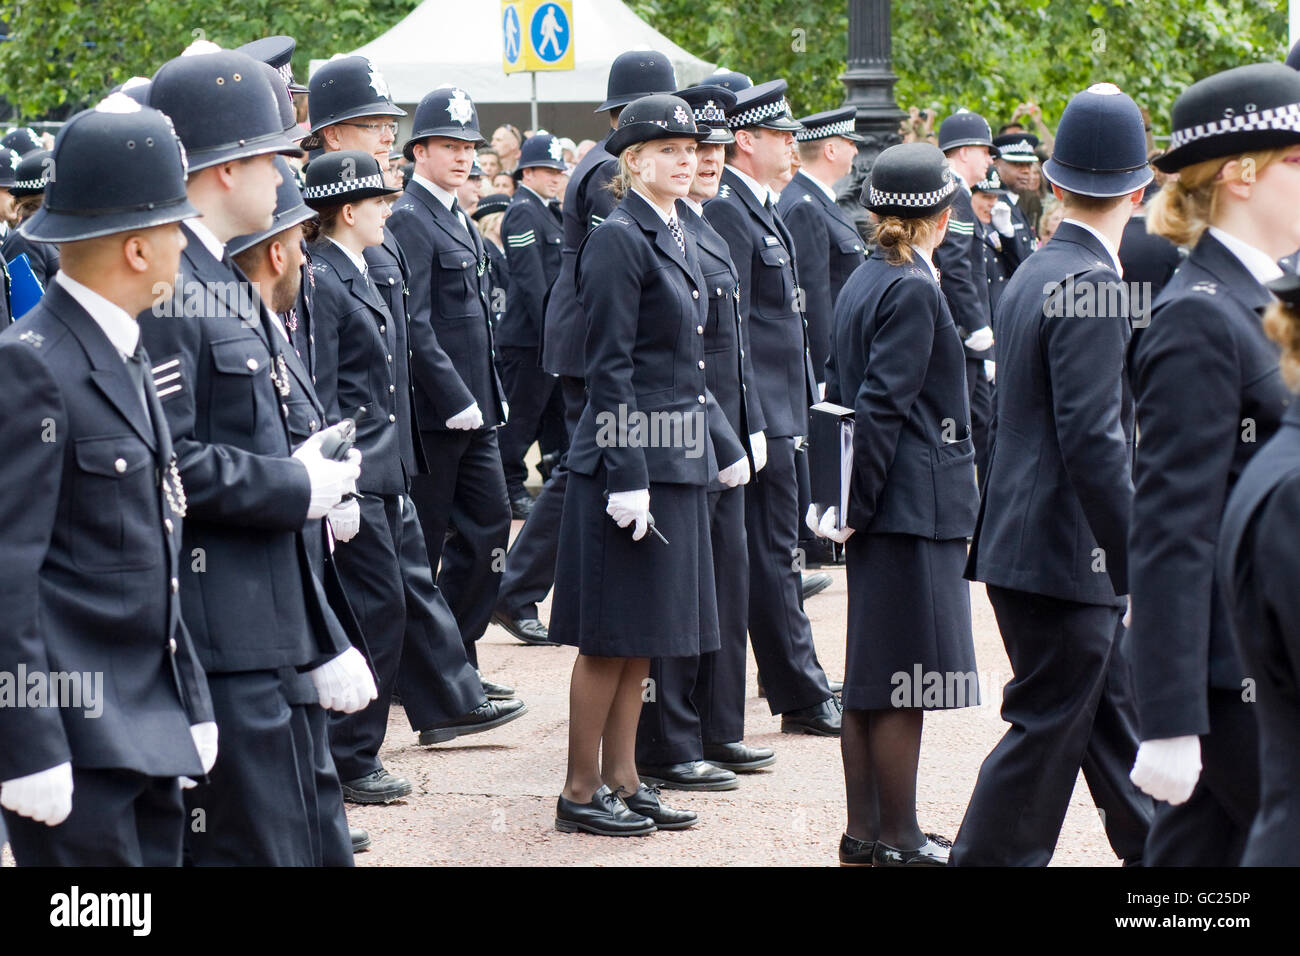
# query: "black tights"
(881, 749)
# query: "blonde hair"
(1186, 205)
(898, 238)
(624, 178)
(1282, 325)
(485, 223)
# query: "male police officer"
(82, 433)
(249, 595)
(745, 215)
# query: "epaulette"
(1209, 288)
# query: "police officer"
(83, 434)
(827, 245)
(744, 214)
(277, 53)
(533, 233)
(965, 140)
(530, 565)
(1051, 540)
(1016, 167)
(488, 216)
(1208, 393)
(33, 173)
(8, 166)
(985, 197)
(249, 595)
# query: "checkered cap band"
(756, 114)
(823, 130)
(341, 186)
(38, 183)
(1020, 147)
(286, 73)
(1279, 117)
(917, 200)
(710, 114)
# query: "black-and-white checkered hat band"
(710, 114)
(1280, 117)
(286, 74)
(841, 128)
(344, 186)
(756, 114)
(910, 200)
(36, 185)
(1017, 150)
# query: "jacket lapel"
(223, 284)
(442, 216)
(650, 221)
(1219, 261)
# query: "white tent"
(460, 42)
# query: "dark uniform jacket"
(498, 276)
(645, 354)
(959, 259)
(250, 599)
(897, 361)
(1209, 394)
(533, 236)
(91, 552)
(762, 252)
(828, 248)
(1057, 504)
(452, 359)
(587, 201)
(44, 256)
(996, 270)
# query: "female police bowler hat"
(349, 175)
(658, 116)
(114, 168)
(1101, 147)
(910, 181)
(33, 172)
(1236, 111)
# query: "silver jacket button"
(120, 465)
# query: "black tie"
(138, 368)
(460, 216)
(556, 211)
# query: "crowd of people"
(273, 394)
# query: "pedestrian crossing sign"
(537, 35)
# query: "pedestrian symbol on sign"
(550, 32)
(510, 26)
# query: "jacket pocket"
(113, 508)
(956, 496)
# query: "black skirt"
(615, 597)
(909, 624)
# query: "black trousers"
(465, 515)
(119, 818)
(778, 627)
(409, 629)
(1069, 706)
(980, 391)
(529, 389)
(701, 700)
(530, 564)
(1211, 828)
(253, 811)
(331, 841)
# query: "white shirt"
(441, 195)
(761, 192)
(1106, 244)
(830, 193)
(925, 257)
(667, 217)
(121, 327)
(693, 206)
(1257, 263)
(206, 236)
(355, 259)
(275, 320)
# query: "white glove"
(980, 339)
(821, 391)
(758, 448)
(205, 742)
(1001, 219)
(505, 410)
(330, 480)
(627, 507)
(737, 473)
(812, 519)
(345, 520)
(467, 420)
(345, 683)
(1168, 768)
(991, 370)
(45, 796)
(827, 527)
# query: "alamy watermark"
(66, 690)
(662, 429)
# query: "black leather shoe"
(815, 584)
(855, 852)
(494, 690)
(487, 715)
(821, 720)
(691, 775)
(817, 552)
(526, 629)
(934, 852)
(378, 786)
(606, 815)
(360, 839)
(646, 802)
(738, 758)
(522, 506)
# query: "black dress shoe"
(820, 720)
(934, 852)
(815, 584)
(691, 775)
(526, 629)
(360, 839)
(855, 852)
(494, 690)
(739, 758)
(605, 815)
(378, 786)
(521, 506)
(817, 552)
(646, 802)
(487, 715)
